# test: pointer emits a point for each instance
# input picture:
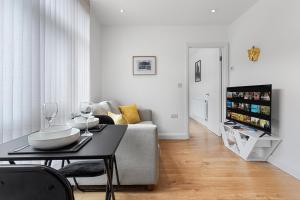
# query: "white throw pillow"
(101, 108)
(114, 107)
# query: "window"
(44, 57)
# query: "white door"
(205, 95)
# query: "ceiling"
(169, 12)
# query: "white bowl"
(57, 128)
(82, 119)
(55, 140)
(75, 123)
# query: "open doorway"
(207, 82)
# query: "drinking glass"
(86, 112)
(50, 111)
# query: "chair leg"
(74, 179)
(92, 189)
(62, 163)
(11, 162)
(79, 187)
(88, 189)
(48, 163)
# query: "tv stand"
(236, 127)
(265, 133)
(230, 123)
(249, 144)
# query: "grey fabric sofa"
(138, 153)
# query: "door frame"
(224, 78)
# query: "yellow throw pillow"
(119, 119)
(130, 113)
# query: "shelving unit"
(247, 143)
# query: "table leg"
(112, 177)
(106, 190)
(107, 193)
(109, 165)
(117, 172)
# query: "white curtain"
(44, 57)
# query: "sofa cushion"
(145, 122)
(119, 119)
(141, 125)
(84, 169)
(145, 114)
(131, 113)
(101, 108)
(114, 106)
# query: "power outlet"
(174, 116)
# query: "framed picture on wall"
(198, 71)
(144, 65)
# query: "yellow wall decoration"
(253, 54)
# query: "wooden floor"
(202, 168)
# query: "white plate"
(41, 140)
(82, 124)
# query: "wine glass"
(50, 111)
(86, 112)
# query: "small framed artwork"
(198, 71)
(144, 65)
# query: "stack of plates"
(80, 122)
(54, 137)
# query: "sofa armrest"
(138, 157)
(145, 114)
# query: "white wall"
(95, 51)
(273, 25)
(160, 92)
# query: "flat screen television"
(250, 105)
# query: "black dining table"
(103, 145)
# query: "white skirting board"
(285, 167)
(197, 119)
(173, 136)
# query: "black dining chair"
(93, 168)
(22, 182)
